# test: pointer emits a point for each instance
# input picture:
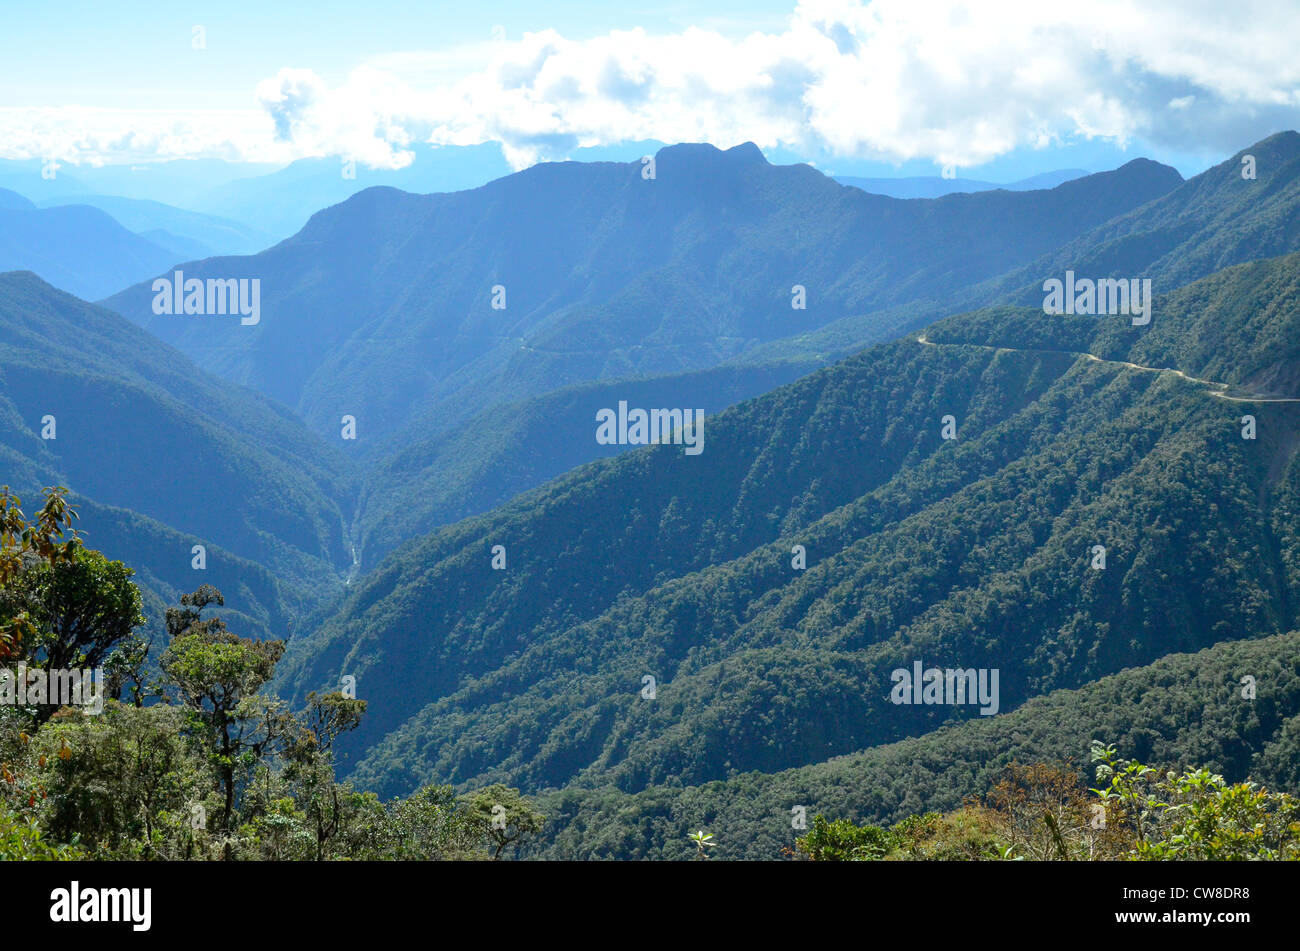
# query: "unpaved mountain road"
(1217, 387)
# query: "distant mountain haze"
(79, 249)
(279, 203)
(218, 235)
(936, 186)
(382, 307)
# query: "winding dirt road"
(1217, 387)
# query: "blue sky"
(1000, 89)
(140, 54)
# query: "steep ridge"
(509, 449)
(1237, 330)
(1183, 710)
(1212, 221)
(164, 457)
(974, 550)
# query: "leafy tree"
(83, 608)
(121, 783)
(842, 841)
(1195, 815)
(503, 816)
(43, 541)
(433, 823)
(310, 768)
(218, 676)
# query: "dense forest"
(199, 762)
(536, 671)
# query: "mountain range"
(920, 465)
(1061, 432)
(936, 186)
(81, 249)
(382, 307)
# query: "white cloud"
(95, 135)
(955, 82)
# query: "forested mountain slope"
(508, 449)
(1211, 221)
(163, 456)
(1183, 709)
(975, 551)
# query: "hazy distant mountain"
(382, 307)
(25, 178)
(12, 201)
(176, 182)
(79, 249)
(262, 203)
(180, 248)
(935, 186)
(175, 228)
(279, 203)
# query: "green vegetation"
(1186, 710)
(441, 478)
(680, 651)
(382, 302)
(200, 763)
(974, 552)
(1210, 222)
(1042, 812)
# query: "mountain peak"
(25, 278)
(12, 201)
(703, 154)
(1281, 146)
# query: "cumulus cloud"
(894, 80)
(954, 82)
(371, 118)
(97, 135)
